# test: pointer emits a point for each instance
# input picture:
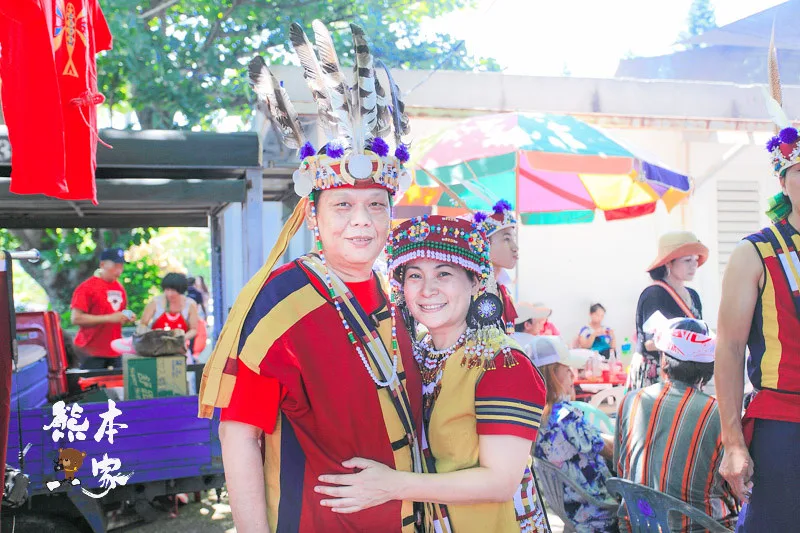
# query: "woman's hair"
(176, 282)
(555, 389)
(203, 286)
(658, 273)
(596, 307)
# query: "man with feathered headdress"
(500, 227)
(760, 310)
(313, 359)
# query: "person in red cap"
(500, 227)
(314, 363)
(482, 396)
(99, 310)
(760, 311)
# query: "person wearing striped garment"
(668, 434)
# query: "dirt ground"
(206, 516)
(213, 516)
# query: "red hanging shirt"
(48, 56)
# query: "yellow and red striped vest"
(774, 341)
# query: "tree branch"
(213, 34)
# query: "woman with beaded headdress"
(482, 397)
(500, 228)
(313, 360)
(760, 310)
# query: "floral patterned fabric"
(573, 444)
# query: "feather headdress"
(785, 146)
(355, 118)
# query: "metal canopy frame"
(165, 178)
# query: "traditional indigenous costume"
(324, 367)
(771, 421)
(483, 385)
(502, 217)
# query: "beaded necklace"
(431, 363)
(350, 335)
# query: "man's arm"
(740, 289)
(82, 319)
(244, 475)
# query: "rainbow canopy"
(554, 169)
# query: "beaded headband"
(452, 240)
(502, 217)
(356, 119)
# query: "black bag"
(160, 342)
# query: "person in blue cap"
(99, 309)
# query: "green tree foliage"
(701, 18)
(189, 57)
(69, 256)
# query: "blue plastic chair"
(649, 509)
(596, 417)
(552, 481)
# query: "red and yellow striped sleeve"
(509, 400)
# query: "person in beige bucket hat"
(680, 254)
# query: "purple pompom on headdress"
(401, 153)
(501, 206)
(479, 217)
(379, 147)
(788, 135)
(773, 143)
(307, 150)
(334, 149)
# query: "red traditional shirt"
(318, 405)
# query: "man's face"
(503, 248)
(353, 226)
(111, 270)
(790, 184)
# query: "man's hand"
(120, 317)
(737, 469)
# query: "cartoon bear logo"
(69, 460)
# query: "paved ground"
(212, 516)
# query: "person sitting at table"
(531, 322)
(596, 336)
(567, 440)
(668, 434)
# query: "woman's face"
(684, 268)
(503, 249)
(438, 294)
(597, 317)
(566, 378)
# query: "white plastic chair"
(612, 397)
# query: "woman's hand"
(374, 485)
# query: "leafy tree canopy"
(179, 64)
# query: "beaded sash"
(377, 354)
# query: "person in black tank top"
(680, 254)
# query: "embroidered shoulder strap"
(678, 300)
(377, 354)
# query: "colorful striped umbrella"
(554, 169)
